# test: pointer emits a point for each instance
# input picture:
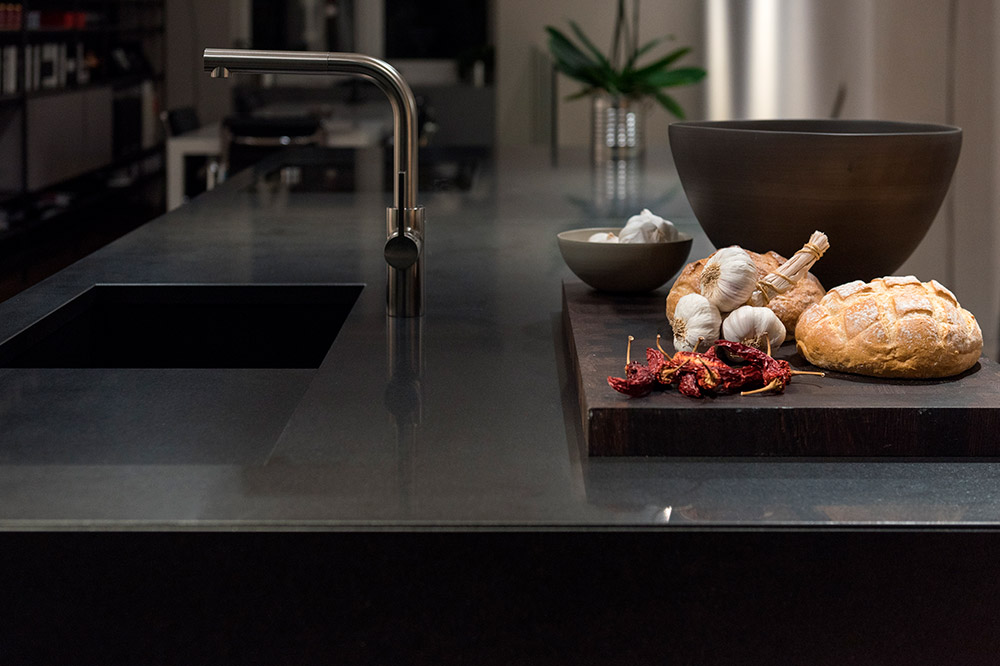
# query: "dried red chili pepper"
(710, 374)
(668, 370)
(775, 373)
(688, 385)
(639, 380)
(698, 375)
(720, 378)
(656, 359)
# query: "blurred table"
(349, 127)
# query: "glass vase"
(619, 127)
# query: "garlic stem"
(790, 272)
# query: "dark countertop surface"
(478, 426)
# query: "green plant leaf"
(590, 45)
(669, 103)
(635, 85)
(681, 76)
(664, 62)
(566, 52)
(573, 62)
(643, 50)
(587, 65)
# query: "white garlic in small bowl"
(647, 227)
(756, 327)
(603, 237)
(695, 323)
(728, 278)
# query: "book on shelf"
(47, 66)
(8, 70)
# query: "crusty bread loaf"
(788, 306)
(890, 327)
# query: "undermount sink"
(186, 326)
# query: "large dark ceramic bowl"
(873, 187)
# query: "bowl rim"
(774, 126)
(681, 237)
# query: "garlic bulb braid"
(790, 272)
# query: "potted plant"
(618, 84)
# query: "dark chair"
(247, 140)
(180, 120)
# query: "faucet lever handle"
(405, 227)
(402, 250)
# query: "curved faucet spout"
(405, 220)
(223, 62)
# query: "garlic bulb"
(756, 327)
(729, 278)
(648, 228)
(603, 237)
(696, 323)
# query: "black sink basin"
(186, 326)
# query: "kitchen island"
(459, 430)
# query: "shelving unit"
(80, 138)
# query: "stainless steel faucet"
(405, 219)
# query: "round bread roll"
(788, 306)
(890, 327)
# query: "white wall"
(973, 241)
(192, 25)
(522, 102)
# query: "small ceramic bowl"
(622, 267)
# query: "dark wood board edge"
(583, 412)
(800, 432)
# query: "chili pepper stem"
(807, 372)
(711, 374)
(768, 338)
(628, 351)
(659, 347)
(769, 387)
(673, 371)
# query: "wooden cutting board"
(839, 415)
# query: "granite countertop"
(465, 418)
